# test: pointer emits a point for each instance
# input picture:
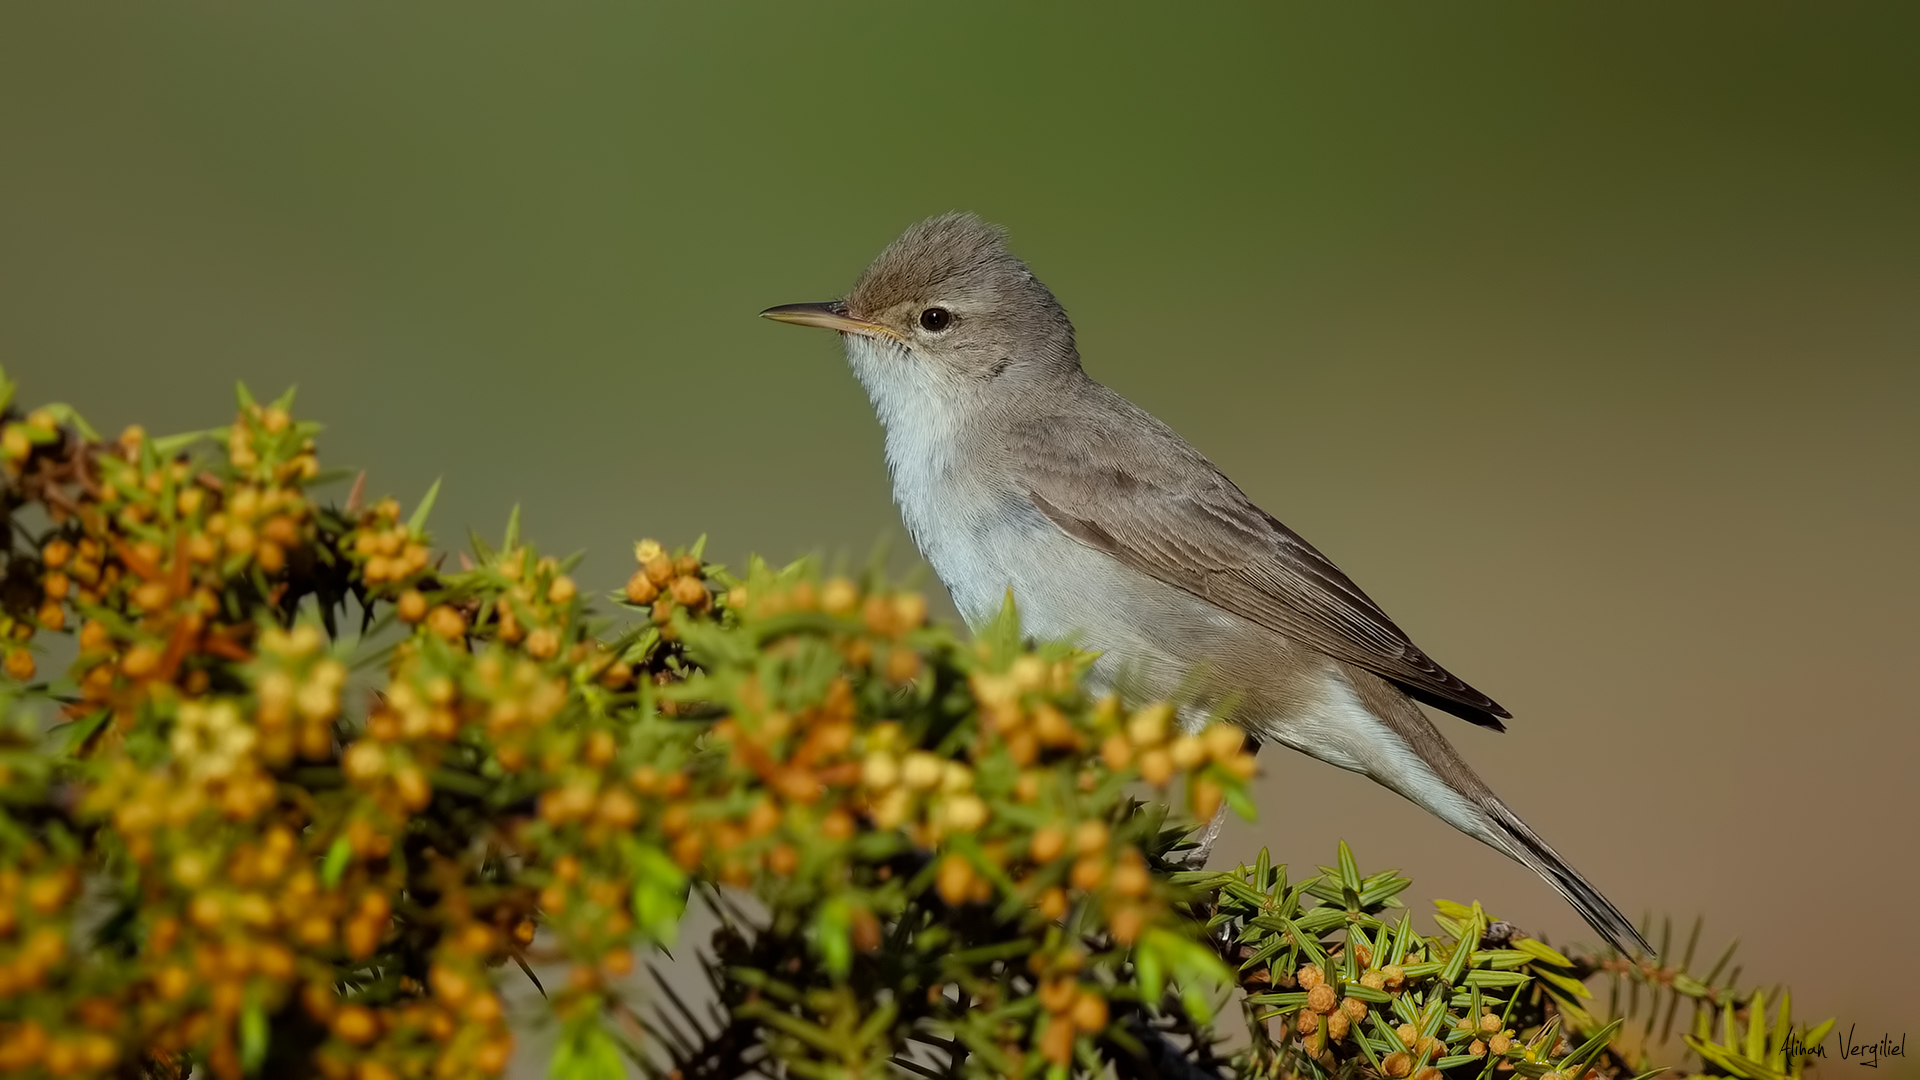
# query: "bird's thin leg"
(1197, 858)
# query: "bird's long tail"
(1456, 794)
(1526, 847)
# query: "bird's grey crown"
(959, 262)
(928, 258)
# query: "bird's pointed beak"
(831, 315)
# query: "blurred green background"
(1586, 337)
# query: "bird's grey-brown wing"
(1139, 493)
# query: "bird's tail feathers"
(1525, 845)
(1448, 787)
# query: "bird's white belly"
(1153, 638)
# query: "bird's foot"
(1196, 859)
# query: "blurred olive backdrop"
(1587, 338)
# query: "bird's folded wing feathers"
(1153, 503)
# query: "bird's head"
(947, 310)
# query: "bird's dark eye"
(936, 318)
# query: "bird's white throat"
(906, 395)
(923, 441)
(959, 522)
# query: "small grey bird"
(1015, 470)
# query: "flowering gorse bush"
(310, 793)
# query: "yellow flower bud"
(412, 606)
(1131, 877)
(1322, 999)
(921, 770)
(16, 442)
(1029, 673)
(363, 761)
(1090, 837)
(955, 778)
(1223, 741)
(1089, 1011)
(839, 597)
(641, 589)
(1188, 753)
(1205, 796)
(909, 611)
(1048, 843)
(965, 813)
(892, 808)
(954, 879)
(446, 622)
(880, 770)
